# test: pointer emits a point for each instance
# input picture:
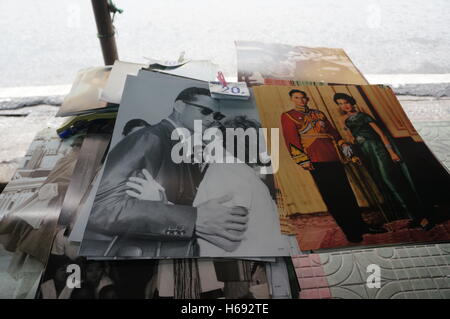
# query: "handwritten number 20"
(234, 89)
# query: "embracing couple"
(154, 207)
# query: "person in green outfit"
(382, 161)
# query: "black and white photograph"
(29, 209)
(130, 278)
(113, 89)
(92, 279)
(92, 153)
(149, 279)
(149, 205)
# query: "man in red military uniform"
(314, 144)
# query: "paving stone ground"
(421, 272)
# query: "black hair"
(343, 96)
(131, 124)
(189, 94)
(291, 92)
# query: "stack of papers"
(170, 184)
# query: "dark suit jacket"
(158, 229)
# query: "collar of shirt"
(303, 109)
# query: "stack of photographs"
(182, 194)
(141, 146)
(83, 261)
(29, 209)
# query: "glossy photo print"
(84, 96)
(150, 205)
(268, 63)
(353, 170)
(29, 210)
(69, 276)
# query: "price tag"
(232, 90)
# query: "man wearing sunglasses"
(166, 227)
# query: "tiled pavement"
(406, 272)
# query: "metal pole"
(105, 31)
